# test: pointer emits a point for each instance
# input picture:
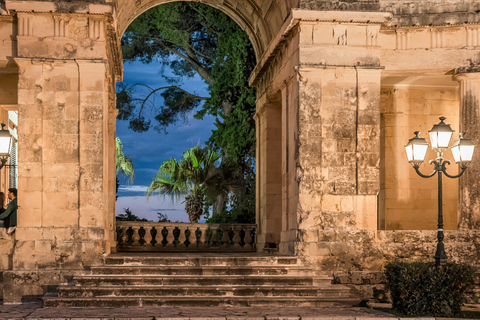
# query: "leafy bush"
(422, 289)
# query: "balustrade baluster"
(203, 238)
(236, 237)
(218, 237)
(209, 237)
(176, 235)
(188, 234)
(141, 234)
(130, 233)
(170, 237)
(198, 237)
(131, 236)
(164, 236)
(153, 234)
(225, 236)
(243, 235)
(252, 236)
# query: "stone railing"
(161, 236)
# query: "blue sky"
(149, 149)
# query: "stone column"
(289, 165)
(469, 193)
(61, 226)
(338, 166)
(269, 177)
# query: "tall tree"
(191, 38)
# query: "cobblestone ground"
(35, 311)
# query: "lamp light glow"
(416, 149)
(463, 149)
(5, 142)
(440, 135)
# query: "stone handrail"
(167, 236)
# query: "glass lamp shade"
(462, 149)
(416, 149)
(440, 135)
(5, 142)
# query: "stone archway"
(320, 72)
(261, 22)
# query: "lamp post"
(462, 150)
(5, 145)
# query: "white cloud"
(133, 188)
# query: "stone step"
(193, 260)
(197, 301)
(202, 291)
(205, 270)
(184, 280)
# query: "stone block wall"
(410, 202)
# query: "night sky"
(148, 150)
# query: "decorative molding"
(60, 27)
(473, 36)
(402, 39)
(437, 38)
(96, 28)
(25, 26)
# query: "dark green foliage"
(163, 217)
(422, 289)
(191, 39)
(128, 216)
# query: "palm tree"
(123, 163)
(196, 176)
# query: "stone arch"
(260, 19)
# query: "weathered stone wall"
(66, 109)
(357, 258)
(406, 12)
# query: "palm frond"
(123, 164)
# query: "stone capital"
(466, 76)
(469, 72)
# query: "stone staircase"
(190, 280)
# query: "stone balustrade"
(161, 236)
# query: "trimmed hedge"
(422, 289)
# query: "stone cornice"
(45, 6)
(296, 16)
(418, 26)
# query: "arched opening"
(224, 68)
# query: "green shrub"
(422, 289)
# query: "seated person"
(11, 210)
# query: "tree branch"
(190, 58)
(152, 91)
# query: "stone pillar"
(338, 166)
(289, 165)
(269, 175)
(66, 111)
(61, 217)
(469, 193)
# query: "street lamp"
(5, 145)
(462, 150)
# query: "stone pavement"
(35, 311)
